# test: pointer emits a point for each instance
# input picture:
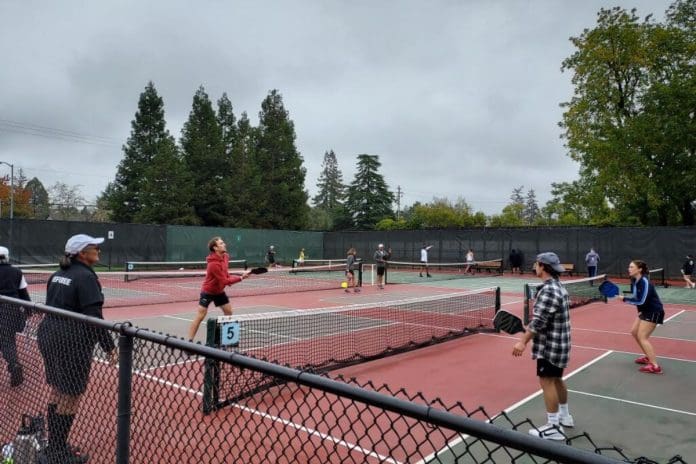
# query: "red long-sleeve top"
(216, 275)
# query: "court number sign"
(230, 334)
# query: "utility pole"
(399, 194)
(11, 166)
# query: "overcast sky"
(457, 98)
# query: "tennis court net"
(657, 277)
(156, 287)
(581, 292)
(138, 266)
(319, 340)
(317, 262)
(402, 272)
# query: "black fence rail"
(147, 407)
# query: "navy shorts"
(380, 271)
(220, 299)
(546, 369)
(656, 317)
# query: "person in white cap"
(67, 345)
(550, 331)
(381, 257)
(270, 257)
(13, 318)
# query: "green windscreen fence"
(188, 243)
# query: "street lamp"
(11, 187)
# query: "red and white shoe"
(651, 368)
(642, 360)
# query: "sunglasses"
(95, 248)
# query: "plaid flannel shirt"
(551, 324)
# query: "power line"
(7, 125)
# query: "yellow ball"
(344, 284)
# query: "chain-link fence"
(72, 402)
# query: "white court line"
(461, 438)
(177, 318)
(652, 406)
(674, 315)
(310, 431)
(613, 332)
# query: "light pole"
(11, 202)
(11, 187)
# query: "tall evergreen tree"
(369, 199)
(166, 196)
(228, 126)
(531, 208)
(246, 190)
(331, 190)
(39, 207)
(280, 164)
(148, 131)
(204, 157)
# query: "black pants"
(8, 347)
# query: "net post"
(211, 375)
(527, 297)
(497, 299)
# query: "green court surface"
(652, 416)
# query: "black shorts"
(350, 273)
(220, 299)
(380, 271)
(656, 317)
(66, 348)
(546, 369)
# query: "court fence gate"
(147, 408)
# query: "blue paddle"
(609, 289)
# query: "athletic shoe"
(642, 360)
(381, 287)
(429, 275)
(548, 432)
(567, 421)
(347, 291)
(16, 376)
(651, 368)
(693, 285)
(420, 275)
(357, 290)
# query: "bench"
(495, 265)
(569, 268)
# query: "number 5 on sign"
(230, 334)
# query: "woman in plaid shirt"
(549, 331)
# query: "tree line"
(630, 124)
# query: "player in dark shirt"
(66, 345)
(12, 318)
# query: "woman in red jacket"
(216, 279)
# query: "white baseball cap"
(79, 242)
(380, 246)
(4, 252)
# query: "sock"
(563, 410)
(552, 418)
(59, 429)
(52, 425)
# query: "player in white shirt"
(424, 260)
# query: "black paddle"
(507, 322)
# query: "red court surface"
(477, 370)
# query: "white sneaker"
(567, 421)
(548, 432)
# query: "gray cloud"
(459, 99)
